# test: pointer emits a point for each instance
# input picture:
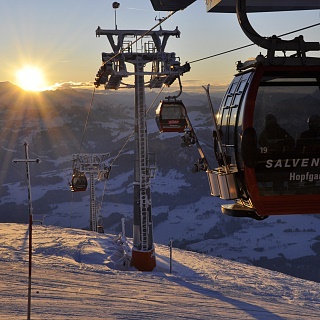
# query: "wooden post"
(170, 255)
(27, 161)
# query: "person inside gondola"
(308, 144)
(274, 137)
(309, 140)
(277, 141)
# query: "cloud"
(136, 9)
(71, 85)
(187, 86)
(196, 86)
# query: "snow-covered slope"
(80, 275)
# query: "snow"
(269, 235)
(191, 222)
(161, 183)
(79, 274)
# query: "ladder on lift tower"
(144, 178)
(94, 226)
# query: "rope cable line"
(87, 120)
(121, 51)
(194, 61)
(93, 93)
(198, 60)
(120, 151)
(251, 44)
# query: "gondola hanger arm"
(273, 43)
(178, 95)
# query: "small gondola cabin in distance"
(78, 182)
(171, 116)
(268, 122)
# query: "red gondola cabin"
(269, 121)
(79, 182)
(171, 116)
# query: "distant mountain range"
(58, 124)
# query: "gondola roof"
(229, 6)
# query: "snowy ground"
(81, 275)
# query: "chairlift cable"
(301, 29)
(93, 93)
(121, 51)
(120, 151)
(251, 44)
(87, 120)
(83, 134)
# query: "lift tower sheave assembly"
(165, 69)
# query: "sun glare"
(30, 79)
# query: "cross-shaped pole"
(27, 161)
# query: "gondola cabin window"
(228, 117)
(172, 112)
(287, 123)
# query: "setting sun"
(30, 79)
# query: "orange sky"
(64, 46)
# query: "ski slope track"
(80, 274)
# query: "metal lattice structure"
(166, 68)
(97, 166)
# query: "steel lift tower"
(150, 46)
(97, 166)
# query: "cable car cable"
(133, 131)
(93, 93)
(87, 120)
(121, 51)
(204, 58)
(251, 44)
(120, 151)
